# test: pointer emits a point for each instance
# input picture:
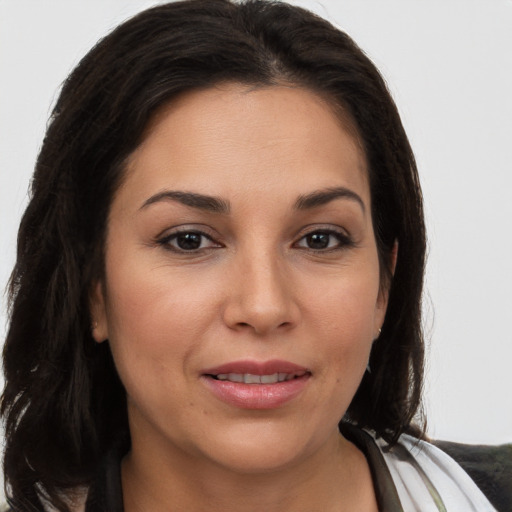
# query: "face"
(242, 289)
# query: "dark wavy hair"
(63, 403)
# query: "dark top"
(489, 466)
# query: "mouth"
(255, 385)
(251, 378)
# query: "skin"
(254, 289)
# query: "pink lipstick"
(256, 385)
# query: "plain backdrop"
(448, 64)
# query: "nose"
(261, 296)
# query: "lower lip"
(256, 396)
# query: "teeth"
(249, 378)
(269, 379)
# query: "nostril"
(255, 312)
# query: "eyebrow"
(217, 205)
(322, 197)
(193, 199)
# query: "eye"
(188, 241)
(325, 239)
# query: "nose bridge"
(262, 297)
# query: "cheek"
(345, 316)
(155, 316)
(346, 307)
(154, 334)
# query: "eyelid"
(344, 238)
(326, 228)
(169, 234)
(203, 229)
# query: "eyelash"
(167, 240)
(343, 241)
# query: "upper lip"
(256, 368)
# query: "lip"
(256, 367)
(256, 396)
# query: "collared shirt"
(416, 476)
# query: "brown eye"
(318, 240)
(324, 240)
(188, 241)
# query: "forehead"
(234, 137)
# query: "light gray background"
(449, 66)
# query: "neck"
(335, 478)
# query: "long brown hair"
(63, 403)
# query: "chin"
(257, 448)
(257, 458)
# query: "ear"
(99, 324)
(382, 301)
(394, 256)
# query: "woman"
(219, 278)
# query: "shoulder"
(424, 473)
(417, 475)
(490, 467)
